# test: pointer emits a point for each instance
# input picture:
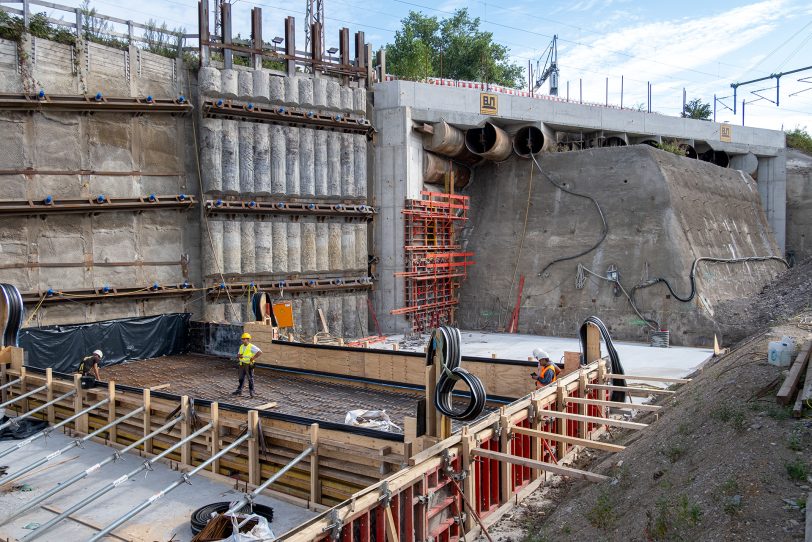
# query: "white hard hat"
(538, 353)
(99, 353)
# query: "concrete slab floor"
(167, 519)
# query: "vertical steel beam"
(256, 38)
(290, 45)
(228, 54)
(316, 53)
(203, 31)
(344, 51)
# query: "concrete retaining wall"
(799, 205)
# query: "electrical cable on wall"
(446, 341)
(605, 226)
(580, 279)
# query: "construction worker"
(547, 369)
(246, 357)
(90, 364)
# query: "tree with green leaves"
(697, 109)
(454, 48)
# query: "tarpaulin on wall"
(127, 339)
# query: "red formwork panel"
(520, 446)
(486, 483)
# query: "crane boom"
(550, 68)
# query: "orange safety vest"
(542, 371)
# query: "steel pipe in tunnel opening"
(489, 142)
(529, 140)
(688, 150)
(445, 139)
(613, 141)
(720, 158)
(437, 167)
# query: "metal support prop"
(39, 531)
(47, 431)
(9, 384)
(182, 480)
(76, 443)
(23, 396)
(249, 499)
(87, 472)
(16, 420)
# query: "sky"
(699, 46)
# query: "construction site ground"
(721, 461)
(168, 519)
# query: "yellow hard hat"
(246, 336)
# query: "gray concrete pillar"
(263, 231)
(229, 83)
(348, 246)
(359, 101)
(334, 247)
(360, 166)
(213, 312)
(276, 89)
(335, 316)
(333, 164)
(278, 161)
(262, 139)
(247, 311)
(309, 249)
(261, 86)
(232, 248)
(363, 314)
(291, 91)
(211, 155)
(347, 166)
(307, 141)
(245, 131)
(231, 168)
(333, 95)
(772, 187)
(294, 231)
(296, 304)
(306, 98)
(347, 101)
(349, 315)
(245, 85)
(320, 92)
(233, 312)
(308, 319)
(292, 160)
(280, 249)
(361, 254)
(320, 163)
(208, 81)
(248, 248)
(322, 247)
(211, 241)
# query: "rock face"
(662, 212)
(799, 205)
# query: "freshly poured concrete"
(167, 519)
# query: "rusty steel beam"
(94, 295)
(288, 208)
(92, 104)
(89, 265)
(99, 204)
(305, 284)
(251, 112)
(84, 172)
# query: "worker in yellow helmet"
(246, 357)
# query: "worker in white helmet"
(547, 369)
(90, 364)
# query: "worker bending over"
(547, 369)
(246, 357)
(90, 364)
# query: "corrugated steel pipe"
(489, 142)
(528, 140)
(437, 167)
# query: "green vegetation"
(731, 415)
(454, 47)
(602, 515)
(799, 138)
(797, 470)
(675, 452)
(669, 518)
(12, 28)
(697, 109)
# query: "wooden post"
(3, 380)
(582, 407)
(147, 420)
(23, 405)
(253, 448)
(49, 381)
(469, 483)
(214, 411)
(431, 410)
(536, 446)
(602, 380)
(112, 434)
(185, 430)
(315, 481)
(80, 424)
(593, 344)
(561, 406)
(504, 466)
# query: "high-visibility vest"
(245, 354)
(543, 371)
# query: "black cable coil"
(12, 313)
(260, 304)
(615, 366)
(202, 516)
(446, 341)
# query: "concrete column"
(280, 249)
(333, 95)
(347, 166)
(248, 247)
(278, 161)
(294, 231)
(292, 178)
(246, 309)
(208, 81)
(363, 313)
(320, 92)
(211, 155)
(213, 312)
(772, 187)
(232, 248)
(320, 163)
(308, 326)
(348, 246)
(334, 247)
(335, 316)
(246, 134)
(229, 83)
(333, 164)
(291, 91)
(307, 141)
(347, 101)
(296, 303)
(276, 89)
(231, 169)
(322, 247)
(361, 254)
(360, 166)
(306, 98)
(261, 86)
(211, 242)
(309, 249)
(263, 232)
(359, 101)
(262, 139)
(349, 317)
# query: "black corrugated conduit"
(615, 366)
(446, 341)
(11, 312)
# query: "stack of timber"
(797, 387)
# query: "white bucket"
(780, 353)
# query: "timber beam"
(613, 404)
(593, 419)
(585, 443)
(541, 465)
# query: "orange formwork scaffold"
(435, 264)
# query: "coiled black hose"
(615, 366)
(202, 516)
(12, 313)
(259, 301)
(446, 340)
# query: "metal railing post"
(26, 14)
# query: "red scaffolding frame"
(435, 264)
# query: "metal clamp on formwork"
(335, 526)
(386, 494)
(97, 103)
(448, 468)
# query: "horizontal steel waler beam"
(280, 114)
(289, 208)
(99, 204)
(97, 103)
(94, 295)
(295, 285)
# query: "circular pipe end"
(529, 140)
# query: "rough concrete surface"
(799, 205)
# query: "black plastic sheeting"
(127, 339)
(22, 429)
